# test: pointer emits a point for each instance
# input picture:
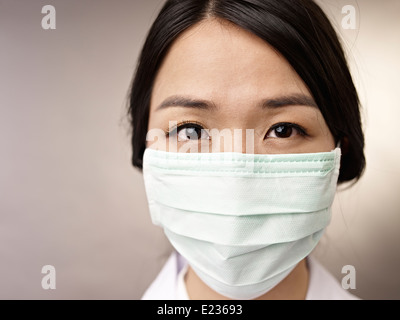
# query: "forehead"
(220, 61)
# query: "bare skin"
(217, 75)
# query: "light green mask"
(242, 221)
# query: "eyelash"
(187, 124)
(301, 130)
(182, 125)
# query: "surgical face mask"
(242, 221)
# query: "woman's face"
(221, 78)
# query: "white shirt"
(170, 284)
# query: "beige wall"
(68, 194)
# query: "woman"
(244, 211)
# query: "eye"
(285, 130)
(189, 131)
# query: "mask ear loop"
(338, 145)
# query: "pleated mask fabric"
(242, 221)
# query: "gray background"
(68, 194)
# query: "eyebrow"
(182, 101)
(277, 102)
(290, 100)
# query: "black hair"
(298, 29)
